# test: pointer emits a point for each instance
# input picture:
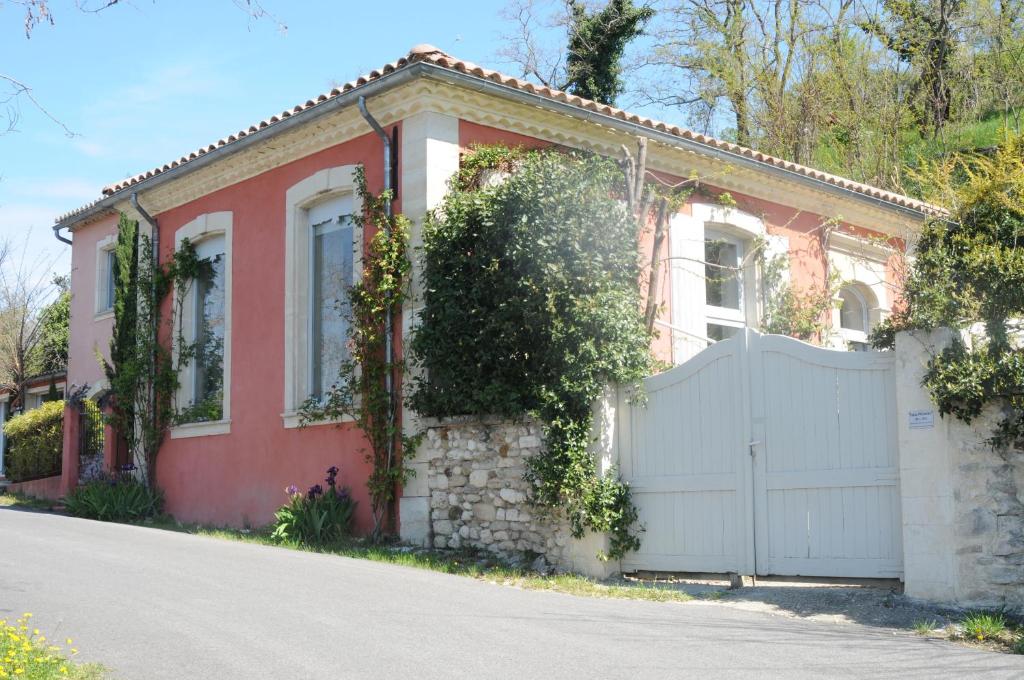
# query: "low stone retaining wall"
(47, 487)
(478, 496)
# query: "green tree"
(925, 34)
(597, 41)
(50, 354)
(969, 272)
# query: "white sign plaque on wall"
(922, 420)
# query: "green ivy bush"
(532, 306)
(37, 442)
(317, 517)
(118, 497)
(969, 272)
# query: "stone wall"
(478, 496)
(988, 501)
(962, 501)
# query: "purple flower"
(332, 476)
(128, 467)
(292, 490)
(314, 491)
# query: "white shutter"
(686, 244)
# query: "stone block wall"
(988, 500)
(478, 496)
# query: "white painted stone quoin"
(963, 501)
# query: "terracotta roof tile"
(432, 55)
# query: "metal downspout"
(388, 329)
(151, 221)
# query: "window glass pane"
(208, 401)
(721, 273)
(108, 302)
(332, 277)
(851, 312)
(717, 332)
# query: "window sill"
(211, 428)
(104, 315)
(293, 420)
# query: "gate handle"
(753, 444)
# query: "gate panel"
(682, 453)
(826, 497)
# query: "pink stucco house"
(259, 202)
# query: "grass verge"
(470, 563)
(20, 501)
(473, 564)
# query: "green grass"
(16, 500)
(983, 625)
(925, 626)
(915, 146)
(1018, 645)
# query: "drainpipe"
(151, 221)
(56, 233)
(388, 330)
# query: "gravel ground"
(877, 603)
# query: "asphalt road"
(151, 604)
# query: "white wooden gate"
(766, 455)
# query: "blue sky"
(142, 83)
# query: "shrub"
(316, 517)
(37, 442)
(115, 498)
(532, 306)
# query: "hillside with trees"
(868, 89)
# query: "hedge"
(36, 442)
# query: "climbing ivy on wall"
(141, 377)
(968, 275)
(532, 306)
(142, 372)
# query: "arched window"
(853, 314)
(856, 302)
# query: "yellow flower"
(68, 641)
(64, 670)
(74, 651)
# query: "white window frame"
(205, 226)
(740, 228)
(316, 188)
(104, 308)
(728, 316)
(861, 264)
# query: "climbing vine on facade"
(362, 391)
(140, 373)
(532, 307)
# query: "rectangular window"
(332, 262)
(208, 376)
(110, 280)
(724, 283)
(722, 273)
